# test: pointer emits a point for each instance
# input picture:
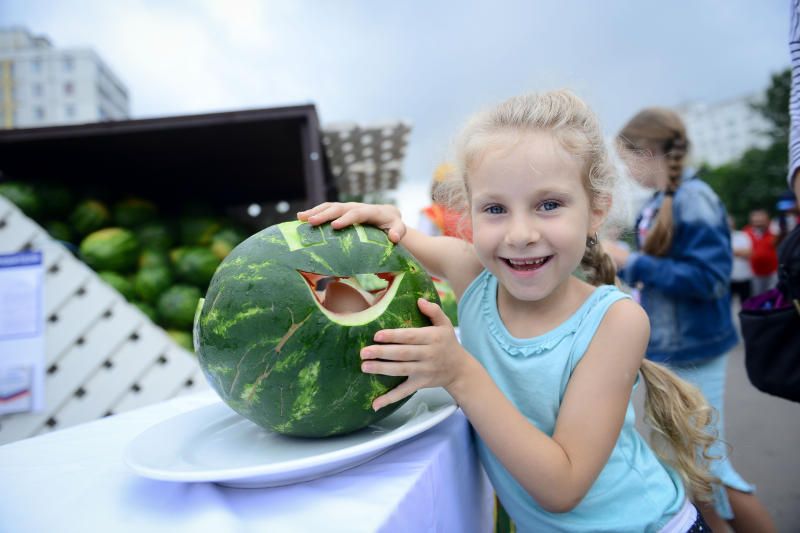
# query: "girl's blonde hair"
(675, 409)
(662, 131)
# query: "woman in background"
(682, 269)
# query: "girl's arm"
(444, 257)
(558, 471)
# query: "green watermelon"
(110, 249)
(23, 196)
(272, 350)
(198, 230)
(57, 200)
(151, 281)
(59, 230)
(132, 212)
(122, 284)
(176, 306)
(156, 236)
(153, 258)
(89, 216)
(196, 265)
(224, 241)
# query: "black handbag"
(771, 328)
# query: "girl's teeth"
(527, 264)
(526, 261)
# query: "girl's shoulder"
(591, 309)
(613, 317)
(599, 301)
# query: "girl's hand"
(429, 356)
(341, 215)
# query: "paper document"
(21, 332)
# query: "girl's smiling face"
(531, 214)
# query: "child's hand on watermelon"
(341, 215)
(429, 356)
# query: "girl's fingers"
(391, 352)
(386, 368)
(380, 215)
(396, 231)
(329, 214)
(395, 395)
(414, 336)
(402, 336)
(342, 215)
(303, 215)
(434, 312)
(328, 211)
(348, 218)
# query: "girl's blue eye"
(494, 210)
(550, 205)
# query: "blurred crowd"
(755, 246)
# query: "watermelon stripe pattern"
(275, 355)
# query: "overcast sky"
(427, 62)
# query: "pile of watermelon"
(161, 263)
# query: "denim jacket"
(686, 293)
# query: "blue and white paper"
(21, 332)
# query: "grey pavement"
(764, 434)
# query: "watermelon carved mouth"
(353, 300)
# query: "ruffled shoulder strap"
(601, 301)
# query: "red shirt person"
(764, 258)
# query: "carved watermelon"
(276, 349)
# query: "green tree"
(775, 107)
(757, 178)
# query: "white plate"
(214, 443)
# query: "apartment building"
(41, 85)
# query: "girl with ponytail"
(682, 271)
(548, 359)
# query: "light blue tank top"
(634, 492)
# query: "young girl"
(683, 271)
(548, 362)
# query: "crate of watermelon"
(134, 217)
(103, 355)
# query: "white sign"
(21, 333)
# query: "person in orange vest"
(764, 257)
(437, 219)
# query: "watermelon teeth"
(320, 283)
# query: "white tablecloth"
(75, 480)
